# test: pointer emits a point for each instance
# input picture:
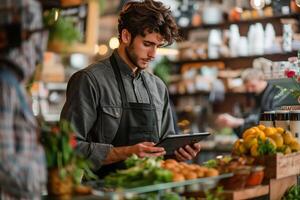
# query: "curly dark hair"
(148, 16)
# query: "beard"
(132, 56)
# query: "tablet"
(174, 142)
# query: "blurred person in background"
(265, 93)
(22, 161)
(118, 108)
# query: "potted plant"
(62, 30)
(65, 166)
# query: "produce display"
(182, 171)
(244, 173)
(139, 172)
(151, 170)
(261, 140)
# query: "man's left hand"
(188, 152)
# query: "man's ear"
(126, 36)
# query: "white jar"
(267, 119)
(282, 119)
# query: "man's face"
(141, 51)
(253, 86)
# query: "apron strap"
(148, 91)
(119, 80)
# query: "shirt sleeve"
(22, 164)
(80, 110)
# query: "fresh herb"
(211, 163)
(266, 148)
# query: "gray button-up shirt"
(94, 105)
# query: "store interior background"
(220, 38)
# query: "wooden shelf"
(49, 4)
(241, 22)
(241, 61)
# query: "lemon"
(280, 130)
(269, 131)
(272, 142)
(242, 149)
(294, 145)
(287, 150)
(278, 139)
(261, 127)
(248, 132)
(287, 137)
(254, 150)
(249, 143)
(261, 135)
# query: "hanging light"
(257, 4)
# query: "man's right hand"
(143, 149)
(227, 120)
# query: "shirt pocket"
(111, 117)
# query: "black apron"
(138, 122)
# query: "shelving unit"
(224, 25)
(49, 4)
(240, 62)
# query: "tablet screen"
(174, 142)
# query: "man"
(117, 108)
(22, 163)
(264, 101)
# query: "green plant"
(293, 193)
(61, 28)
(59, 143)
(266, 148)
(139, 172)
(162, 70)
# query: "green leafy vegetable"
(266, 148)
(293, 193)
(139, 172)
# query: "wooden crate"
(280, 166)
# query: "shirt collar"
(124, 68)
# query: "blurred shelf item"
(51, 117)
(241, 61)
(241, 22)
(90, 34)
(62, 4)
(206, 93)
(56, 86)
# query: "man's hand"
(226, 120)
(143, 149)
(146, 149)
(188, 152)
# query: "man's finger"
(153, 149)
(185, 154)
(179, 156)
